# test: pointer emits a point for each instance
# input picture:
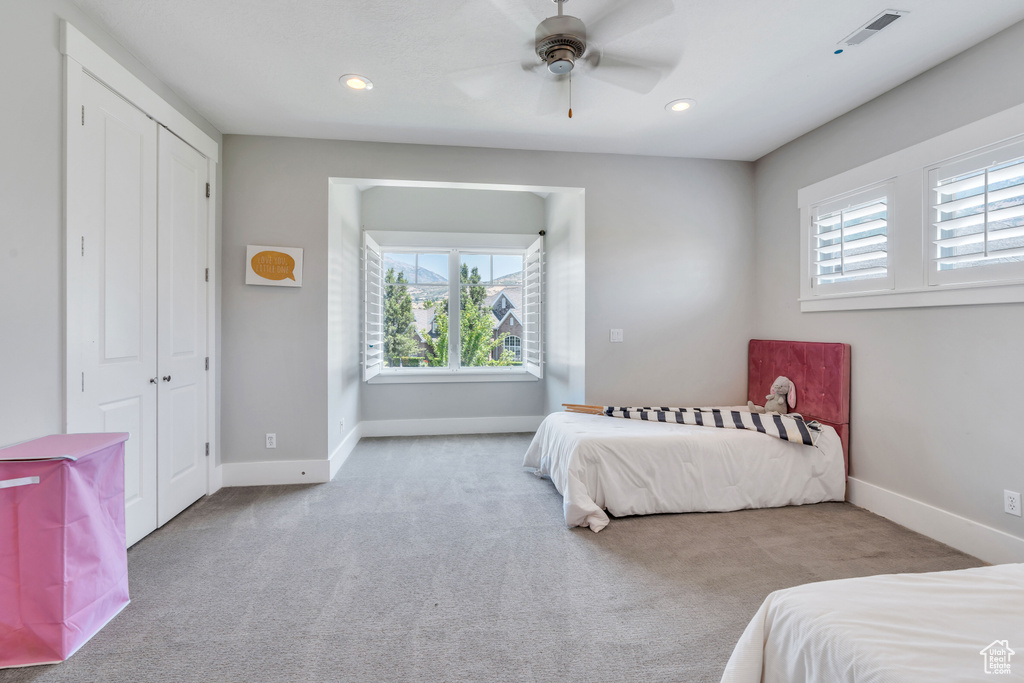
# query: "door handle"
(167, 378)
(152, 380)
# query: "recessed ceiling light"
(357, 82)
(680, 105)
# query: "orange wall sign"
(273, 265)
(276, 266)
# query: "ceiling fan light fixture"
(681, 105)
(561, 61)
(357, 82)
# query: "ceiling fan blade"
(483, 81)
(637, 75)
(533, 62)
(622, 18)
(554, 96)
(517, 13)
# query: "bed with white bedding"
(638, 467)
(944, 626)
(634, 467)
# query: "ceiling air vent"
(872, 27)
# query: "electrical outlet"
(271, 440)
(1011, 503)
(615, 335)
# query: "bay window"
(468, 308)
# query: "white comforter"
(899, 627)
(631, 467)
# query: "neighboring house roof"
(513, 295)
(511, 313)
(424, 321)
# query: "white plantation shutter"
(850, 243)
(373, 307)
(977, 217)
(533, 313)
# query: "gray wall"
(564, 287)
(275, 338)
(343, 373)
(418, 209)
(936, 391)
(435, 209)
(31, 208)
(669, 257)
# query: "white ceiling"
(762, 71)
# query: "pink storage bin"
(63, 563)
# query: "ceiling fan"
(564, 44)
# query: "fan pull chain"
(570, 86)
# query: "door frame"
(82, 56)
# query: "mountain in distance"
(515, 278)
(425, 276)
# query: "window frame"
(456, 245)
(910, 231)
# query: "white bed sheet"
(897, 627)
(634, 467)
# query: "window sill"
(427, 376)
(939, 295)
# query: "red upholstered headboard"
(821, 373)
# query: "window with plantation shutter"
(373, 309)
(939, 223)
(533, 348)
(849, 242)
(452, 307)
(977, 217)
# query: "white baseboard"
(984, 542)
(276, 472)
(322, 471)
(345, 448)
(453, 425)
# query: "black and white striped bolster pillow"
(783, 427)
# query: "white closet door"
(112, 288)
(181, 330)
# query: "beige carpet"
(441, 559)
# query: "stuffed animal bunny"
(783, 396)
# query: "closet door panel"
(112, 331)
(125, 247)
(182, 334)
(128, 415)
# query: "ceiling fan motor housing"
(560, 42)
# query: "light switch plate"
(616, 335)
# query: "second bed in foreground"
(943, 626)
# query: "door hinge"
(83, 114)
(207, 362)
(207, 449)
(207, 274)
(207, 190)
(83, 245)
(83, 382)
